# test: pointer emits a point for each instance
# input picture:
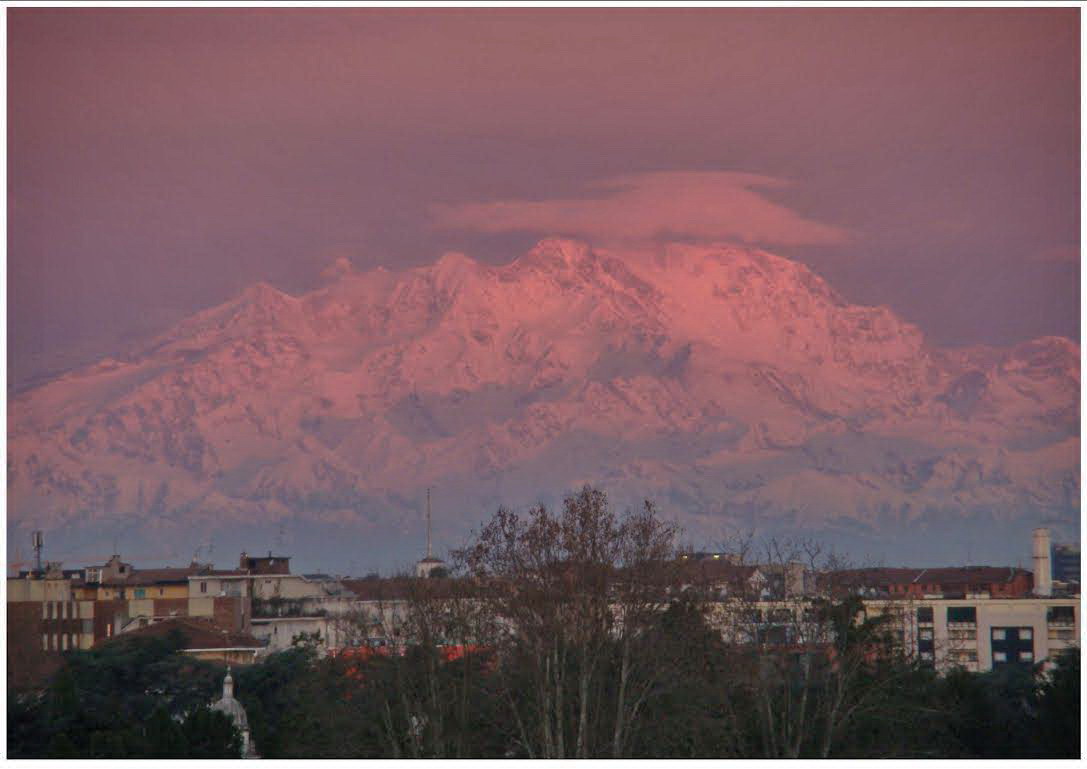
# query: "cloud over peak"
(703, 205)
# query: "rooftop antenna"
(428, 522)
(39, 543)
(281, 537)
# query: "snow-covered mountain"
(728, 384)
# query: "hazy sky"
(160, 159)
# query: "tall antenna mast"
(428, 522)
(39, 542)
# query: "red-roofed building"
(944, 582)
(203, 639)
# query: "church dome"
(230, 706)
(234, 709)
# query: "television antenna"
(428, 523)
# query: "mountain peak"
(454, 262)
(557, 254)
(264, 292)
(339, 267)
(688, 373)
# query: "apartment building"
(983, 633)
(52, 610)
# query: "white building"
(979, 634)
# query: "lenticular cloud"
(715, 205)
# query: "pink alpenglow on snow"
(722, 381)
(276, 267)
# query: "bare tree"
(574, 594)
(812, 650)
(407, 630)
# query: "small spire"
(228, 685)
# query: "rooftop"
(200, 634)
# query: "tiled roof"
(156, 576)
(942, 576)
(199, 634)
(718, 571)
(399, 588)
(982, 575)
(223, 573)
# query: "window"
(1026, 656)
(140, 592)
(161, 591)
(203, 587)
(63, 610)
(64, 642)
(926, 634)
(968, 614)
(924, 614)
(1000, 657)
(45, 642)
(45, 610)
(1026, 633)
(1061, 615)
(999, 634)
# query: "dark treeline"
(570, 641)
(136, 698)
(143, 700)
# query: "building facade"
(981, 634)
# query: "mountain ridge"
(729, 383)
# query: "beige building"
(979, 634)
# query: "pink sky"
(161, 159)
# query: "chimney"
(1043, 570)
(794, 579)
